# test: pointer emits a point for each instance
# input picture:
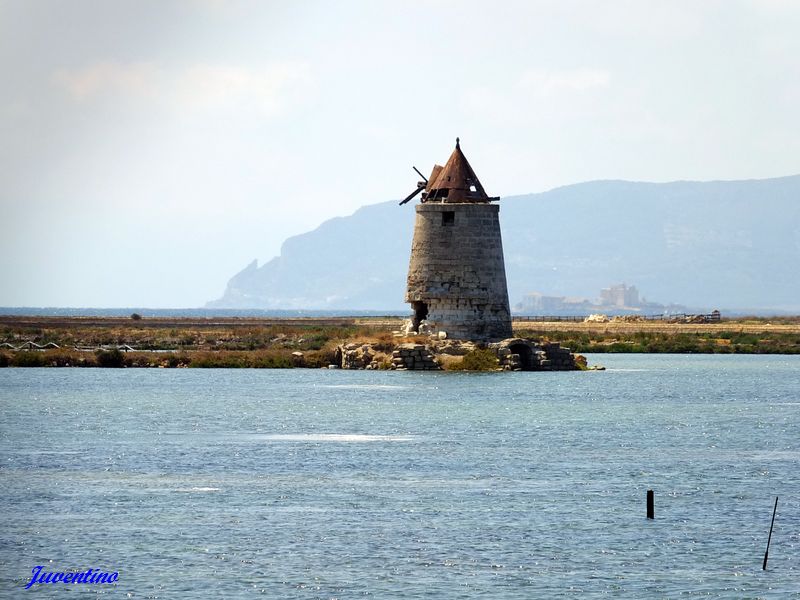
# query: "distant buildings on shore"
(617, 299)
(620, 296)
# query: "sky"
(149, 150)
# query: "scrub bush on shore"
(476, 360)
(721, 342)
(241, 360)
(110, 358)
(221, 359)
(28, 359)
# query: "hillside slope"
(713, 244)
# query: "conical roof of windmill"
(455, 182)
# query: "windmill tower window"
(448, 218)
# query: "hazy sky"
(150, 150)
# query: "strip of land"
(312, 342)
(706, 329)
(744, 336)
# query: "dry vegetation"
(717, 338)
(261, 343)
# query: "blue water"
(338, 484)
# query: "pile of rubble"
(424, 328)
(355, 356)
(628, 319)
(596, 319)
(513, 354)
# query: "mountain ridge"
(700, 243)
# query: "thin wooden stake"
(769, 539)
(651, 511)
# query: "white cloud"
(200, 87)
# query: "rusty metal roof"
(455, 182)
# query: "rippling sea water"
(346, 484)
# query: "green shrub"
(621, 347)
(139, 359)
(270, 361)
(316, 359)
(29, 358)
(61, 357)
(113, 358)
(745, 339)
(174, 360)
(476, 360)
(218, 360)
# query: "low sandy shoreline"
(312, 342)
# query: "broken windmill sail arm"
(421, 185)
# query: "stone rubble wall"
(557, 358)
(543, 357)
(414, 357)
(423, 357)
(355, 356)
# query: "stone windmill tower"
(457, 276)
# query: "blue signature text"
(89, 576)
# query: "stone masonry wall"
(536, 356)
(457, 270)
(414, 357)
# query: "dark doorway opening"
(420, 314)
(525, 355)
(338, 356)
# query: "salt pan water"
(344, 484)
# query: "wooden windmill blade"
(411, 195)
(421, 185)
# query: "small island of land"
(313, 342)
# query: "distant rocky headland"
(720, 244)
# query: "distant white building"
(539, 304)
(620, 296)
(614, 300)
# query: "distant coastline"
(256, 313)
(60, 311)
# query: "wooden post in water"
(769, 539)
(651, 511)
